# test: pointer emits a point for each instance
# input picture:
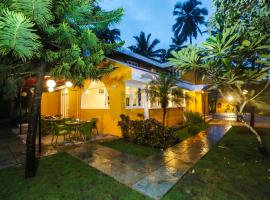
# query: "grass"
(233, 169)
(131, 148)
(144, 151)
(191, 130)
(63, 177)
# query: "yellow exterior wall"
(50, 103)
(224, 106)
(107, 118)
(195, 102)
(174, 116)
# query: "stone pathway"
(12, 149)
(155, 175)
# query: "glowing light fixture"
(51, 83)
(66, 91)
(50, 89)
(230, 98)
(69, 84)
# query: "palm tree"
(109, 35)
(145, 47)
(162, 88)
(189, 17)
(177, 44)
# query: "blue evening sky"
(150, 16)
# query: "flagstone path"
(155, 175)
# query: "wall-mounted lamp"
(51, 83)
(69, 84)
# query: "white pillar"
(146, 106)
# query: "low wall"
(174, 116)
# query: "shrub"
(193, 117)
(148, 132)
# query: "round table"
(74, 125)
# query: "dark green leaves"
(17, 36)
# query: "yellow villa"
(122, 92)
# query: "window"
(132, 63)
(133, 97)
(95, 96)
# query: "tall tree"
(109, 35)
(145, 47)
(162, 88)
(177, 44)
(189, 18)
(52, 36)
(223, 61)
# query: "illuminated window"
(133, 97)
(95, 96)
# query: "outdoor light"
(51, 83)
(50, 89)
(69, 84)
(245, 92)
(23, 94)
(66, 91)
(230, 98)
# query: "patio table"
(74, 125)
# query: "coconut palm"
(145, 47)
(177, 44)
(109, 35)
(162, 88)
(189, 17)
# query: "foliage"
(62, 176)
(232, 64)
(162, 89)
(177, 44)
(189, 16)
(147, 132)
(57, 33)
(145, 47)
(131, 148)
(193, 117)
(232, 169)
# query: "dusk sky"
(150, 16)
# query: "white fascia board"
(191, 87)
(145, 59)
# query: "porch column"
(146, 106)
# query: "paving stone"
(159, 182)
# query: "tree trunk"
(259, 139)
(30, 165)
(163, 116)
(252, 116)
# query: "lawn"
(191, 130)
(144, 151)
(233, 169)
(131, 148)
(63, 177)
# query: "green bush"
(193, 117)
(148, 132)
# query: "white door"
(64, 103)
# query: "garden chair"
(58, 130)
(86, 130)
(94, 121)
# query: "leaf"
(39, 11)
(17, 36)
